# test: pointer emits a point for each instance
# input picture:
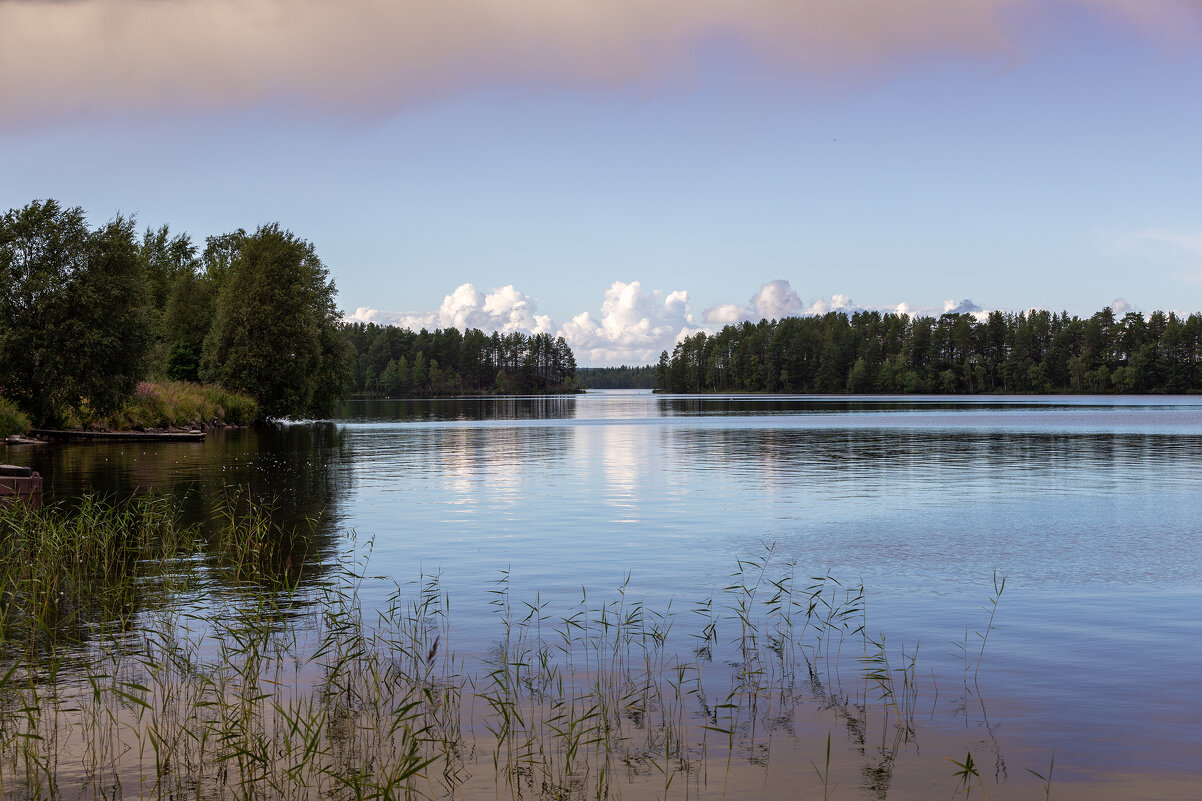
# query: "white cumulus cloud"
(504, 309)
(635, 326)
(837, 303)
(965, 306)
(774, 300)
(725, 314)
(635, 323)
(413, 320)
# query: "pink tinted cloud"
(61, 58)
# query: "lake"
(1087, 506)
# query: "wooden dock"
(120, 436)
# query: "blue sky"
(625, 176)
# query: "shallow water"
(1088, 506)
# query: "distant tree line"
(624, 377)
(85, 314)
(1031, 352)
(393, 361)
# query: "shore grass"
(177, 404)
(62, 572)
(12, 419)
(143, 658)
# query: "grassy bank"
(154, 405)
(12, 419)
(177, 404)
(142, 658)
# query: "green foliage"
(64, 571)
(183, 363)
(12, 419)
(966, 774)
(167, 259)
(188, 311)
(624, 377)
(397, 361)
(860, 378)
(110, 328)
(74, 324)
(179, 403)
(274, 334)
(1032, 352)
(87, 314)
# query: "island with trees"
(869, 352)
(398, 362)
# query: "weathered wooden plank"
(142, 436)
(20, 485)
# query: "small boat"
(20, 485)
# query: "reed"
(66, 573)
(142, 658)
(175, 404)
(994, 599)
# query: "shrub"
(179, 403)
(12, 419)
(232, 408)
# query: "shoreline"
(183, 435)
(47, 436)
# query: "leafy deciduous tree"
(74, 315)
(275, 334)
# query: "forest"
(624, 377)
(88, 314)
(866, 352)
(395, 361)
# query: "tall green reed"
(128, 669)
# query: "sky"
(624, 173)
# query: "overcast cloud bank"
(374, 56)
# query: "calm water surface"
(1090, 507)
